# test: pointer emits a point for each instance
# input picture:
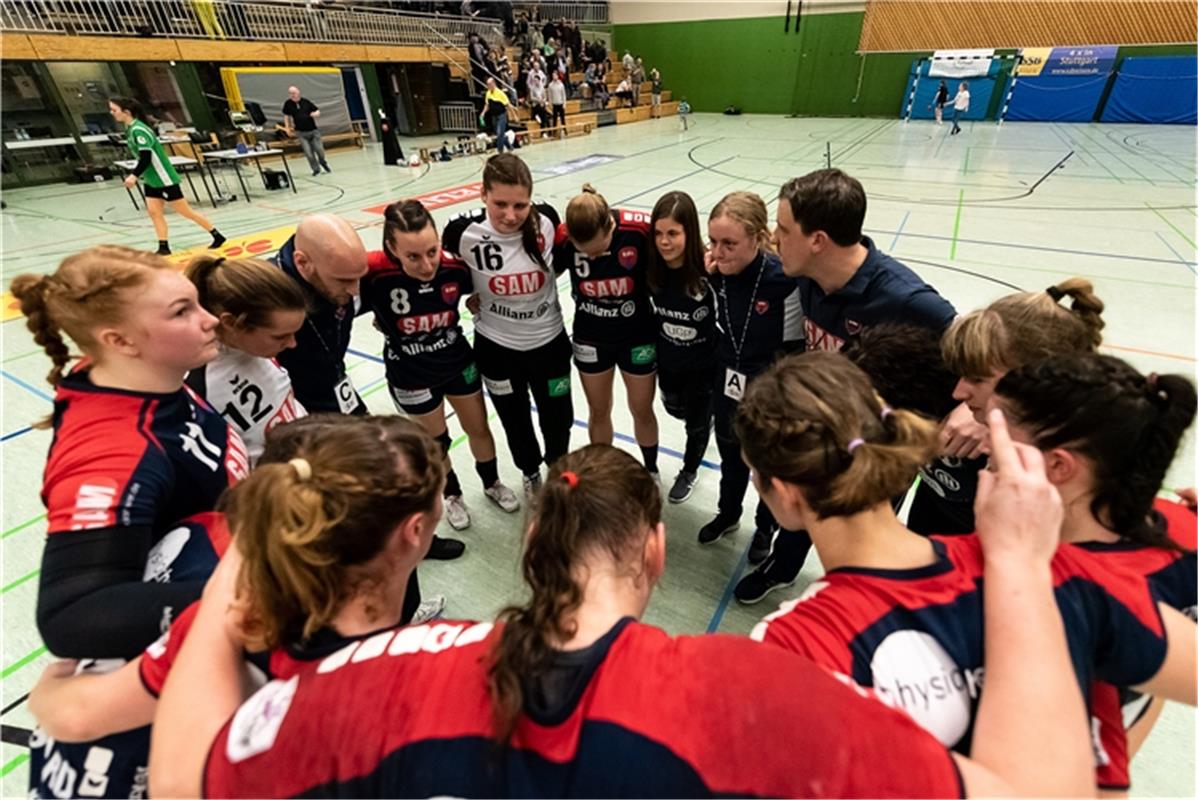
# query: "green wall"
(756, 65)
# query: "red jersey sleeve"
(377, 261)
(1112, 764)
(157, 659)
(637, 221)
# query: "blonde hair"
(307, 527)
(1024, 327)
(247, 289)
(814, 420)
(749, 210)
(588, 215)
(87, 290)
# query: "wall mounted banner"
(1034, 59)
(1075, 61)
(961, 63)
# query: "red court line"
(1174, 356)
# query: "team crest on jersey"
(700, 313)
(627, 257)
(450, 293)
(852, 326)
(762, 306)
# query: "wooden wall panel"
(50, 47)
(213, 50)
(341, 53)
(16, 46)
(906, 25)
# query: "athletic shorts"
(421, 401)
(167, 193)
(632, 359)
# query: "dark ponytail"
(598, 498)
(510, 170)
(1127, 425)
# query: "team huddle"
(231, 564)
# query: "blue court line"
(1165, 241)
(726, 597)
(899, 232)
(367, 356)
(619, 203)
(26, 386)
(15, 434)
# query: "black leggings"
(687, 396)
(509, 376)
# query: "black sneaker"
(721, 526)
(757, 584)
(684, 484)
(162, 250)
(763, 541)
(217, 239)
(443, 549)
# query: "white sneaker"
(429, 610)
(502, 496)
(456, 513)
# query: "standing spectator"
(638, 77)
(536, 40)
(960, 106)
(299, 118)
(496, 113)
(684, 112)
(941, 100)
(478, 62)
(392, 152)
(655, 88)
(549, 30)
(629, 63)
(574, 36)
(327, 259)
(557, 99)
(537, 97)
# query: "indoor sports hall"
(1076, 156)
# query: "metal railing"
(583, 13)
(260, 20)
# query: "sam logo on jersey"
(426, 323)
(606, 287)
(517, 284)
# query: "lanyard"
(737, 347)
(337, 362)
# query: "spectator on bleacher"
(496, 113)
(549, 30)
(536, 41)
(629, 63)
(574, 38)
(655, 89)
(624, 91)
(638, 77)
(477, 51)
(557, 99)
(537, 97)
(600, 85)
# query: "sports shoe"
(315, 172)
(721, 526)
(532, 485)
(502, 496)
(456, 513)
(429, 610)
(757, 584)
(763, 541)
(443, 549)
(683, 486)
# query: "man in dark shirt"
(299, 118)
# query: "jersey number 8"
(399, 302)
(487, 255)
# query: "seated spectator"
(624, 91)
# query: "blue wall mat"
(1062, 98)
(1155, 89)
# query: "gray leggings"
(313, 148)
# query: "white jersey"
(519, 307)
(253, 394)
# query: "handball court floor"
(978, 215)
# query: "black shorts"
(168, 193)
(632, 359)
(421, 401)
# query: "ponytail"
(31, 291)
(246, 289)
(1126, 425)
(588, 216)
(598, 498)
(815, 421)
(309, 527)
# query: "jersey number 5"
(487, 256)
(582, 264)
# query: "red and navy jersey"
(122, 459)
(654, 716)
(916, 636)
(425, 344)
(686, 333)
(882, 290)
(765, 300)
(115, 766)
(611, 300)
(1173, 575)
(943, 502)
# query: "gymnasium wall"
(755, 64)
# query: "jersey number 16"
(487, 255)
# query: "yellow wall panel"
(299, 51)
(93, 48)
(211, 50)
(905, 25)
(16, 46)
